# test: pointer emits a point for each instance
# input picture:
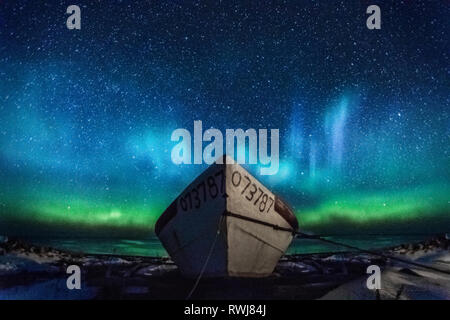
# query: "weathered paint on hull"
(227, 215)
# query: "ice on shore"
(32, 272)
(403, 282)
(14, 264)
(54, 289)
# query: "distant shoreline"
(152, 247)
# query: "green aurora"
(86, 115)
(418, 210)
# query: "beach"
(29, 271)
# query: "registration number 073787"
(209, 188)
(214, 185)
(251, 192)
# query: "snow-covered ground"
(403, 281)
(31, 272)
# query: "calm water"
(152, 246)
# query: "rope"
(207, 259)
(304, 235)
(276, 227)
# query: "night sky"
(86, 115)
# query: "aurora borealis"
(86, 115)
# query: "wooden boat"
(226, 223)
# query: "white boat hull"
(226, 223)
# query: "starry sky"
(86, 115)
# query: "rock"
(3, 239)
(153, 270)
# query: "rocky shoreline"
(37, 272)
